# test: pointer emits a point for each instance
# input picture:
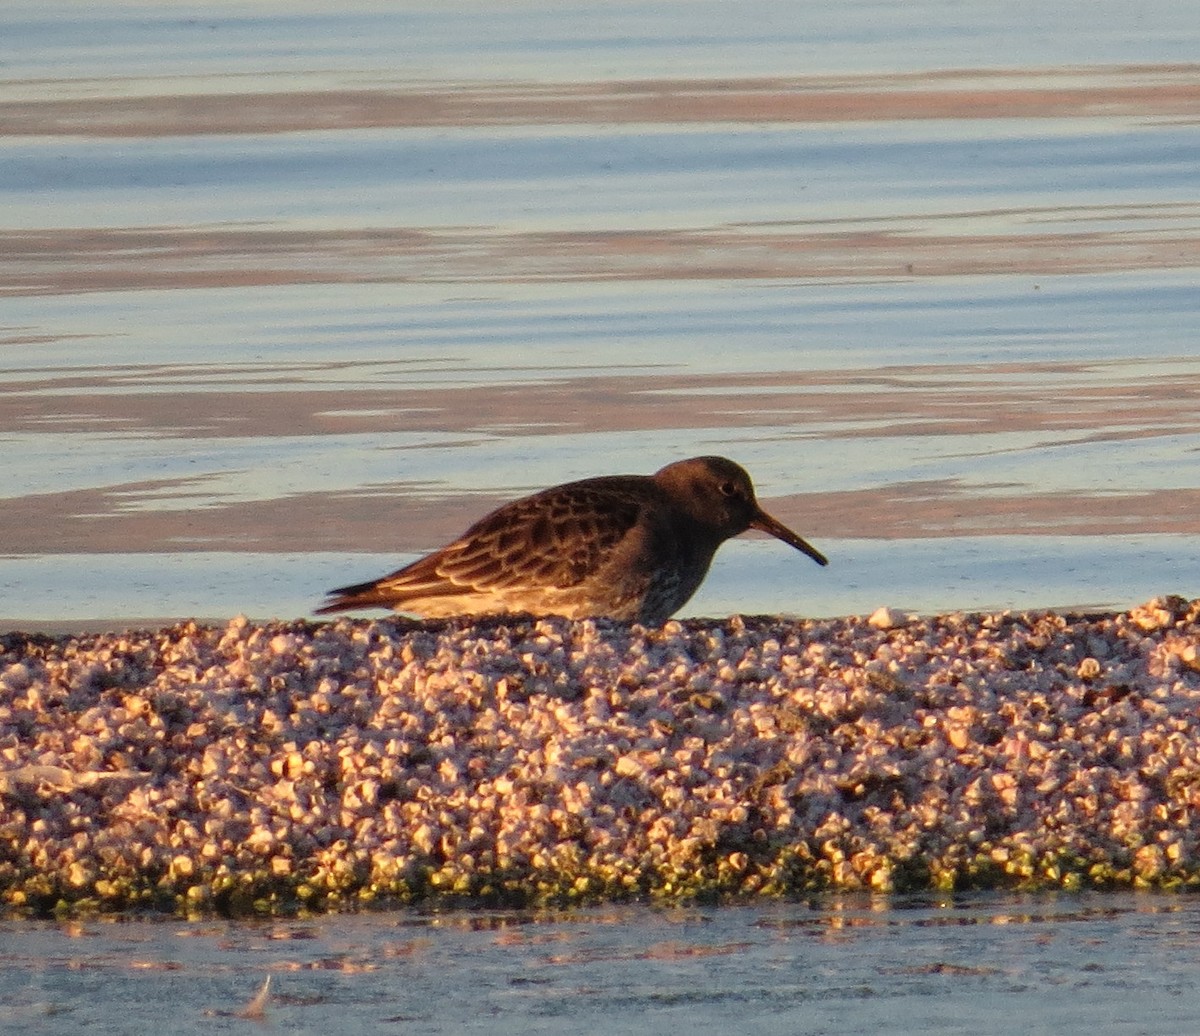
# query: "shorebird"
(629, 547)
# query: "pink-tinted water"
(292, 294)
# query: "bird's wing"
(556, 538)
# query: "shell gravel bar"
(296, 765)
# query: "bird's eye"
(728, 489)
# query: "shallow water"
(1105, 964)
(293, 294)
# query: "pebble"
(886, 618)
(284, 766)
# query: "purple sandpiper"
(629, 547)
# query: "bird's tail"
(359, 595)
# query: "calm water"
(1099, 964)
(294, 292)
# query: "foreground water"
(989, 964)
(283, 286)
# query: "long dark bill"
(765, 523)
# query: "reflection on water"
(285, 286)
(1033, 242)
(134, 109)
(254, 456)
(1107, 964)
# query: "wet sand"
(281, 766)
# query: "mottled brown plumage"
(632, 547)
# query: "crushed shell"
(299, 766)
